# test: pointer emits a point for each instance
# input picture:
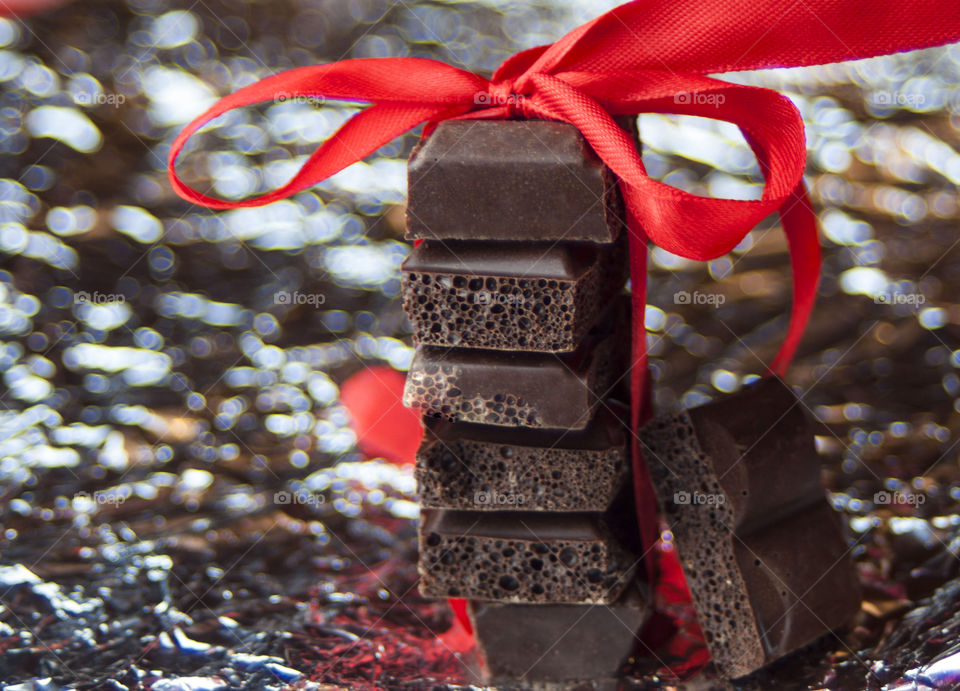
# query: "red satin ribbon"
(647, 56)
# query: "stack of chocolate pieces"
(514, 292)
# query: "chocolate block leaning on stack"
(738, 481)
(521, 339)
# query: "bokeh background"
(159, 391)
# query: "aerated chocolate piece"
(528, 296)
(510, 181)
(519, 389)
(474, 467)
(538, 643)
(525, 556)
(739, 484)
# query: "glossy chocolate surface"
(510, 181)
(557, 642)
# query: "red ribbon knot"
(503, 94)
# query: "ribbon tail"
(800, 226)
(693, 36)
(641, 398)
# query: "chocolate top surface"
(606, 430)
(519, 367)
(560, 261)
(477, 143)
(515, 525)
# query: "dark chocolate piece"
(739, 484)
(525, 556)
(521, 180)
(526, 296)
(537, 643)
(536, 390)
(474, 467)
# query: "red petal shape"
(374, 398)
(459, 607)
(459, 637)
(24, 8)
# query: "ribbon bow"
(646, 56)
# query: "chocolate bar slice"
(528, 296)
(739, 485)
(541, 643)
(525, 556)
(521, 389)
(464, 466)
(509, 181)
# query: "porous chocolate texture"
(763, 552)
(522, 296)
(537, 390)
(542, 643)
(521, 180)
(525, 556)
(479, 468)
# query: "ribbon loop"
(686, 224)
